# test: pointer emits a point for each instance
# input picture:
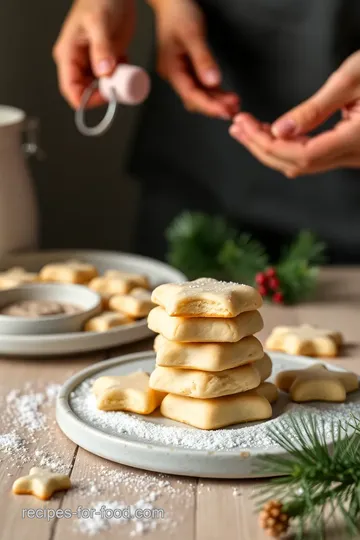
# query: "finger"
(335, 94)
(102, 55)
(229, 100)
(73, 75)
(203, 62)
(266, 159)
(71, 71)
(194, 97)
(257, 134)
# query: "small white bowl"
(88, 300)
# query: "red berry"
(278, 298)
(270, 272)
(260, 278)
(262, 290)
(274, 283)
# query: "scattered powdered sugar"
(24, 420)
(106, 514)
(29, 437)
(11, 442)
(150, 430)
(26, 407)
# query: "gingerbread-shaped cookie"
(304, 340)
(206, 297)
(41, 483)
(317, 383)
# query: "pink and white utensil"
(128, 85)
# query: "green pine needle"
(204, 246)
(305, 248)
(316, 473)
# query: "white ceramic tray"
(127, 443)
(78, 342)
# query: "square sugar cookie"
(16, 276)
(217, 412)
(206, 297)
(202, 330)
(136, 304)
(68, 272)
(132, 279)
(127, 393)
(207, 356)
(105, 321)
(205, 384)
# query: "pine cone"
(273, 520)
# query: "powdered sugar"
(11, 442)
(153, 430)
(106, 514)
(29, 437)
(25, 419)
(25, 407)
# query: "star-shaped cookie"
(41, 483)
(317, 383)
(206, 297)
(305, 340)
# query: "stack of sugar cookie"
(207, 359)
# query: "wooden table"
(194, 508)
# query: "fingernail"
(105, 66)
(284, 128)
(212, 77)
(236, 131)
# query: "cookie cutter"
(128, 85)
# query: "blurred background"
(86, 200)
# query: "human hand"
(286, 147)
(93, 40)
(185, 60)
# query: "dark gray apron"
(274, 54)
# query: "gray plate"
(135, 451)
(79, 342)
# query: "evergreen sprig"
(202, 245)
(320, 480)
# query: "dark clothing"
(274, 54)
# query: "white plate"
(125, 439)
(79, 342)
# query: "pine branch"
(242, 259)
(305, 248)
(195, 241)
(314, 475)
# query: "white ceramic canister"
(18, 207)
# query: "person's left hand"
(285, 146)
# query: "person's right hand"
(93, 40)
(185, 60)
